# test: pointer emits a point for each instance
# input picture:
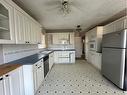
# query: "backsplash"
(14, 52)
(58, 46)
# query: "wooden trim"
(59, 30)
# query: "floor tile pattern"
(77, 79)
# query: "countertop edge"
(6, 68)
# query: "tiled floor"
(77, 79)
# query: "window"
(43, 43)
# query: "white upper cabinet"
(27, 31)
(19, 27)
(6, 23)
(35, 33)
(16, 26)
(63, 38)
(71, 37)
(115, 26)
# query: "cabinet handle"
(1, 79)
(6, 75)
(35, 65)
(39, 67)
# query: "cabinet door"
(6, 23)
(42, 68)
(7, 86)
(93, 34)
(109, 28)
(93, 59)
(21, 80)
(39, 75)
(72, 57)
(125, 23)
(51, 60)
(1, 86)
(56, 57)
(38, 32)
(98, 60)
(55, 38)
(119, 24)
(35, 77)
(19, 27)
(27, 30)
(33, 32)
(71, 38)
(14, 82)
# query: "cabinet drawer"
(63, 54)
(64, 60)
(37, 64)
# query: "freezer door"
(116, 39)
(113, 65)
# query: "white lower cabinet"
(12, 83)
(1, 86)
(51, 60)
(64, 57)
(24, 80)
(95, 59)
(14, 80)
(7, 86)
(72, 57)
(33, 78)
(39, 72)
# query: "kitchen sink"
(45, 52)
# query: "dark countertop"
(62, 49)
(30, 60)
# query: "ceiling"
(84, 12)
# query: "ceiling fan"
(65, 6)
(78, 28)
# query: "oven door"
(46, 65)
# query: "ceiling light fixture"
(65, 7)
(78, 29)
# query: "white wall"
(78, 47)
(14, 52)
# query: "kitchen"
(54, 48)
